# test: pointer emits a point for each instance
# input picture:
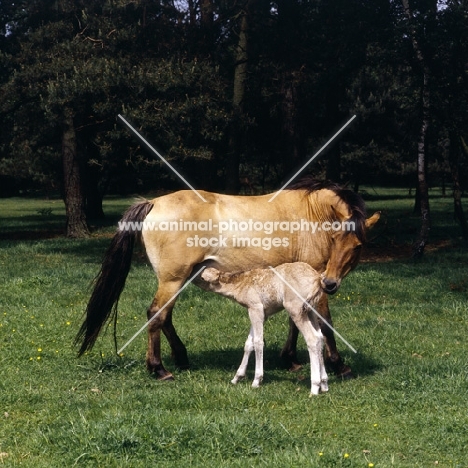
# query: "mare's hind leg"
(159, 313)
(179, 351)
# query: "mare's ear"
(210, 275)
(372, 220)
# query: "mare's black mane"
(354, 201)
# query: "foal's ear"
(210, 275)
(372, 220)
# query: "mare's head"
(344, 224)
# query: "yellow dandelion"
(346, 455)
(320, 454)
(68, 323)
(370, 465)
(375, 425)
(39, 350)
(38, 358)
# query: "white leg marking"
(248, 348)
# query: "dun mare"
(319, 223)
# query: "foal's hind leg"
(248, 348)
(161, 309)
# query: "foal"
(264, 293)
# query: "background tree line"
(236, 94)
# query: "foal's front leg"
(257, 317)
(314, 340)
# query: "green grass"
(406, 408)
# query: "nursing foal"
(265, 292)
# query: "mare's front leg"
(160, 315)
(248, 348)
(332, 356)
(289, 351)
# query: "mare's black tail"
(111, 279)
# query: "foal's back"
(273, 289)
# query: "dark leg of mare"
(162, 307)
(332, 357)
(289, 351)
(179, 351)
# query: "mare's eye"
(358, 247)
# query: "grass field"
(406, 408)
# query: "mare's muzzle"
(329, 285)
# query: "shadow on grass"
(226, 362)
(229, 359)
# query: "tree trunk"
(76, 225)
(294, 146)
(240, 79)
(192, 13)
(423, 189)
(93, 195)
(423, 68)
(454, 153)
(332, 117)
(206, 14)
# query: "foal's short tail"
(111, 279)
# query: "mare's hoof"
(295, 367)
(159, 372)
(166, 377)
(181, 361)
(346, 374)
(182, 366)
(341, 370)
